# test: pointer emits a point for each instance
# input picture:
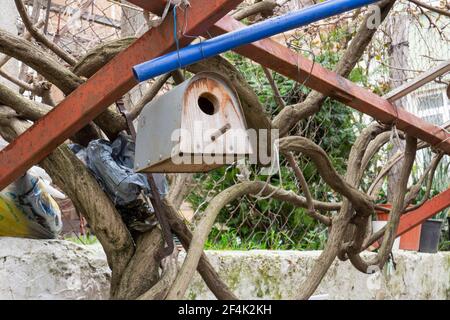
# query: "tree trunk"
(398, 62)
(132, 24)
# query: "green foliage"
(83, 240)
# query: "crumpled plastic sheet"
(112, 165)
(27, 208)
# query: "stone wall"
(52, 269)
(37, 269)
(278, 274)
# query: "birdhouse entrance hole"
(208, 103)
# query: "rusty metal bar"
(154, 6)
(421, 214)
(103, 89)
(426, 211)
(277, 57)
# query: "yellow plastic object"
(40, 219)
(13, 221)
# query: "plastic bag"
(27, 208)
(112, 165)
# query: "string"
(175, 34)
(185, 10)
(185, 34)
(297, 48)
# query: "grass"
(83, 240)
(270, 240)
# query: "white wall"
(8, 18)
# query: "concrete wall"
(51, 269)
(36, 269)
(278, 274)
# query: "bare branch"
(360, 201)
(96, 58)
(263, 7)
(273, 85)
(149, 95)
(373, 189)
(414, 190)
(301, 180)
(431, 8)
(169, 272)
(24, 107)
(206, 270)
(7, 115)
(431, 169)
(180, 188)
(21, 84)
(26, 36)
(142, 270)
(374, 146)
(39, 60)
(394, 216)
(40, 37)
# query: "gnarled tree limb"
(264, 7)
(394, 216)
(40, 37)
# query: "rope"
(175, 35)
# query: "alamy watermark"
(374, 17)
(200, 145)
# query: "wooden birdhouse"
(196, 127)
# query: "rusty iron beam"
(427, 210)
(420, 215)
(154, 6)
(103, 88)
(281, 59)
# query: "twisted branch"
(205, 224)
(394, 216)
(40, 37)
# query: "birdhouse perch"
(196, 127)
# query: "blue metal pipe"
(212, 47)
